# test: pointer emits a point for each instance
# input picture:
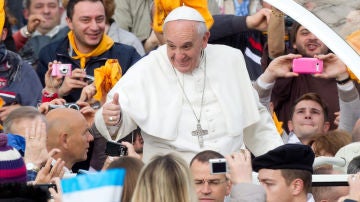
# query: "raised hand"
(112, 111)
(35, 138)
(259, 20)
(34, 21)
(131, 150)
(87, 111)
(52, 83)
(279, 67)
(333, 67)
(49, 171)
(87, 93)
(240, 167)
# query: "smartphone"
(218, 166)
(307, 66)
(61, 70)
(115, 149)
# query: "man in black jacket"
(86, 48)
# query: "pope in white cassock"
(188, 96)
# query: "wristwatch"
(32, 167)
(26, 32)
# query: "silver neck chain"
(203, 57)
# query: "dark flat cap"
(287, 156)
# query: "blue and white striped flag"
(105, 186)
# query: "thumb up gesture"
(112, 111)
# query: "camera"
(218, 166)
(307, 65)
(70, 105)
(115, 149)
(45, 188)
(61, 70)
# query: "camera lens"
(73, 106)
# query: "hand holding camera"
(73, 81)
(115, 149)
(240, 166)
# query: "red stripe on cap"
(14, 172)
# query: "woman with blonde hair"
(165, 178)
(133, 168)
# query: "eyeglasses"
(211, 182)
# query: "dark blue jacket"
(18, 79)
(59, 51)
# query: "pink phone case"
(307, 66)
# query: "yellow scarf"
(105, 44)
(164, 7)
(278, 124)
(2, 15)
(106, 77)
(354, 40)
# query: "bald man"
(68, 130)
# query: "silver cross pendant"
(199, 132)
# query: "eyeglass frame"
(211, 182)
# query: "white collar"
(293, 139)
(50, 34)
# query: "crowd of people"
(163, 88)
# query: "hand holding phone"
(307, 65)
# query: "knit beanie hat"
(12, 166)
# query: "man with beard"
(286, 90)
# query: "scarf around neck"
(105, 44)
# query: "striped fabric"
(105, 186)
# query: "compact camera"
(218, 166)
(66, 105)
(115, 149)
(61, 70)
(307, 66)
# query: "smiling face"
(307, 44)
(307, 120)
(184, 44)
(88, 24)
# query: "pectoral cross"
(199, 132)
